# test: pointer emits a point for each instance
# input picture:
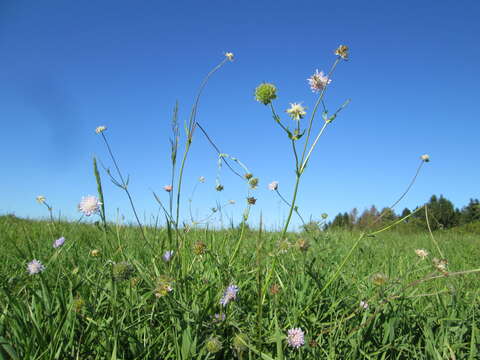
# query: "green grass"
(79, 308)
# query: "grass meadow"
(181, 289)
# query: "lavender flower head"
(35, 267)
(318, 81)
(273, 186)
(295, 337)
(167, 256)
(229, 295)
(59, 242)
(89, 205)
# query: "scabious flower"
(440, 265)
(214, 345)
(265, 93)
(167, 256)
(168, 188)
(40, 199)
(229, 56)
(422, 253)
(296, 111)
(253, 182)
(229, 295)
(273, 186)
(35, 267)
(318, 81)
(364, 305)
(425, 157)
(295, 337)
(342, 51)
(89, 205)
(59, 242)
(219, 187)
(219, 317)
(164, 286)
(100, 129)
(251, 200)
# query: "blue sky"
(67, 67)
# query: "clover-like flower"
(35, 267)
(168, 188)
(89, 205)
(318, 81)
(229, 295)
(167, 256)
(229, 56)
(295, 337)
(40, 199)
(273, 186)
(100, 129)
(342, 51)
(265, 93)
(425, 157)
(59, 242)
(421, 253)
(296, 111)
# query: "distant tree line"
(441, 212)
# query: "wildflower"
(303, 244)
(251, 200)
(95, 252)
(283, 246)
(199, 248)
(59, 242)
(364, 305)
(273, 186)
(265, 93)
(229, 56)
(164, 286)
(248, 176)
(229, 295)
(100, 129)
(40, 199)
(379, 279)
(219, 187)
(89, 205)
(214, 345)
(201, 179)
(342, 51)
(219, 317)
(295, 337)
(168, 188)
(318, 81)
(167, 256)
(239, 342)
(421, 253)
(122, 271)
(440, 264)
(35, 267)
(253, 182)
(425, 157)
(296, 111)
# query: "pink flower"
(295, 337)
(318, 81)
(273, 186)
(168, 188)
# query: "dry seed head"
(342, 51)
(253, 182)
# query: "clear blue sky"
(68, 66)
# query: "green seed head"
(214, 345)
(265, 93)
(239, 342)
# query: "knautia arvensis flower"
(425, 157)
(253, 182)
(89, 205)
(421, 253)
(318, 81)
(296, 111)
(363, 305)
(273, 186)
(214, 345)
(167, 255)
(248, 176)
(35, 267)
(440, 265)
(295, 337)
(164, 286)
(59, 242)
(95, 252)
(342, 51)
(40, 199)
(100, 129)
(251, 200)
(230, 294)
(219, 187)
(168, 188)
(229, 56)
(265, 93)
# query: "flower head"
(59, 242)
(342, 51)
(273, 186)
(214, 345)
(425, 157)
(219, 187)
(199, 248)
(95, 252)
(40, 199)
(35, 267)
(229, 56)
(219, 317)
(201, 179)
(303, 244)
(265, 93)
(295, 337)
(364, 305)
(168, 188)
(100, 129)
(422, 253)
(89, 205)
(167, 256)
(296, 111)
(440, 265)
(229, 295)
(164, 286)
(251, 200)
(253, 182)
(318, 81)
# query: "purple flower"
(59, 242)
(219, 317)
(35, 267)
(167, 256)
(295, 337)
(229, 295)
(89, 205)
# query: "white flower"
(296, 111)
(318, 81)
(100, 129)
(421, 253)
(363, 304)
(201, 179)
(295, 337)
(41, 199)
(273, 186)
(425, 157)
(89, 205)
(35, 267)
(229, 56)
